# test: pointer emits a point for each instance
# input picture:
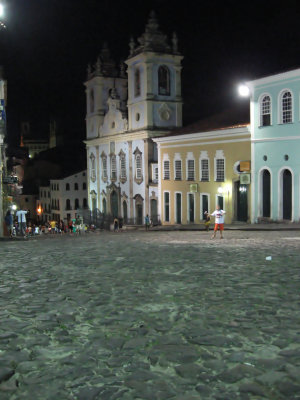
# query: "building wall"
(275, 147)
(234, 147)
(55, 206)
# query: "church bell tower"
(154, 81)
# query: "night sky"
(48, 44)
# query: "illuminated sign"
(245, 166)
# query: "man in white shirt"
(219, 221)
(21, 214)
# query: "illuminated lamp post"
(243, 90)
(39, 212)
(2, 24)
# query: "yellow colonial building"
(198, 171)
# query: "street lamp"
(243, 90)
(2, 24)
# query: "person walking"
(116, 224)
(53, 226)
(21, 215)
(219, 221)
(78, 224)
(9, 223)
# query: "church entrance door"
(125, 211)
(139, 214)
(153, 206)
(114, 204)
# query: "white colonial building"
(64, 198)
(124, 113)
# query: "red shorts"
(220, 226)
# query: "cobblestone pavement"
(150, 316)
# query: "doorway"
(287, 194)
(139, 214)
(114, 204)
(139, 202)
(220, 202)
(103, 206)
(242, 202)
(191, 205)
(125, 211)
(153, 210)
(178, 208)
(266, 194)
(204, 207)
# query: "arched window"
(76, 186)
(113, 167)
(85, 203)
(122, 158)
(84, 186)
(68, 204)
(67, 186)
(137, 82)
(286, 104)
(265, 111)
(76, 204)
(164, 80)
(138, 164)
(104, 167)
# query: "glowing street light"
(243, 90)
(2, 24)
(220, 190)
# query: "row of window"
(204, 172)
(285, 108)
(113, 167)
(55, 205)
(55, 187)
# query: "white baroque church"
(125, 110)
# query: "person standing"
(116, 225)
(219, 221)
(21, 215)
(9, 223)
(206, 221)
(147, 222)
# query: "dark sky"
(48, 44)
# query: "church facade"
(125, 111)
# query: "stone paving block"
(151, 316)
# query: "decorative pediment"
(114, 122)
(137, 151)
(164, 112)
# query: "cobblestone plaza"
(150, 316)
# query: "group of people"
(73, 226)
(76, 225)
(19, 225)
